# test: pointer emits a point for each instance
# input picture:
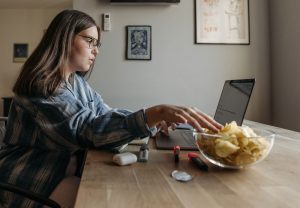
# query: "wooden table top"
(275, 182)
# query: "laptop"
(232, 106)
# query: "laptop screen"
(232, 106)
(234, 100)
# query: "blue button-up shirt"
(43, 133)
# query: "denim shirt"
(43, 133)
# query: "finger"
(179, 117)
(164, 127)
(209, 125)
(173, 126)
(201, 120)
(206, 124)
(209, 119)
(190, 117)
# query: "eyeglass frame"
(91, 42)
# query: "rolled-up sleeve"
(65, 119)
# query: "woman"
(55, 114)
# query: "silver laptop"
(232, 106)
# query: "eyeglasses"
(91, 41)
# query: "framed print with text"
(222, 22)
(138, 42)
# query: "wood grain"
(275, 182)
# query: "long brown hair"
(43, 71)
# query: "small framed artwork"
(138, 42)
(222, 22)
(20, 52)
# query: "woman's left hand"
(164, 127)
(178, 114)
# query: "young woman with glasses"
(55, 114)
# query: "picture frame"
(139, 42)
(20, 53)
(222, 22)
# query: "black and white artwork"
(138, 42)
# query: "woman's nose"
(95, 50)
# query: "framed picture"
(138, 42)
(20, 52)
(222, 22)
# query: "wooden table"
(275, 182)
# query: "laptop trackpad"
(183, 138)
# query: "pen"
(197, 161)
(176, 153)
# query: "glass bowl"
(235, 151)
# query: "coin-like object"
(181, 176)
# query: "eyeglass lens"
(92, 42)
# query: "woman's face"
(139, 37)
(84, 50)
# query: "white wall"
(19, 26)
(180, 71)
(285, 60)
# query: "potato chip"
(236, 146)
(224, 148)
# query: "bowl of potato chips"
(235, 146)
